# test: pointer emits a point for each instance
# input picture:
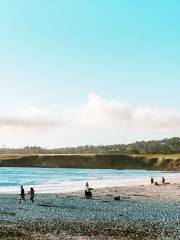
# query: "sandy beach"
(143, 212)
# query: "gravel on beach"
(143, 212)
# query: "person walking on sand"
(22, 195)
(31, 192)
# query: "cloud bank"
(26, 116)
(100, 113)
(96, 113)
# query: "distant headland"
(152, 155)
(165, 146)
(161, 162)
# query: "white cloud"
(95, 113)
(100, 113)
(27, 116)
(97, 121)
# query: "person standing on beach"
(152, 180)
(31, 192)
(22, 195)
(163, 181)
(87, 186)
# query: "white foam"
(70, 180)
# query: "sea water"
(54, 180)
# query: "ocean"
(53, 180)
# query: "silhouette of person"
(152, 180)
(87, 186)
(31, 192)
(163, 181)
(22, 195)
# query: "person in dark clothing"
(163, 181)
(22, 195)
(31, 192)
(152, 180)
(157, 184)
(88, 194)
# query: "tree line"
(165, 146)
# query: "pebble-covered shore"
(143, 212)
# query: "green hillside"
(93, 161)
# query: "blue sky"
(54, 54)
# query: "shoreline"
(93, 184)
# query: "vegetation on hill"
(165, 146)
(94, 161)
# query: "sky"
(78, 72)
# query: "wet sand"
(143, 212)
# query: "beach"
(143, 212)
